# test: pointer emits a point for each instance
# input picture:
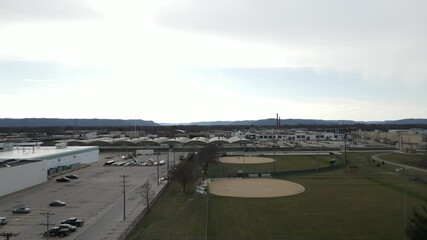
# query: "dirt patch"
(245, 160)
(254, 188)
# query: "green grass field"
(335, 205)
(283, 163)
(415, 160)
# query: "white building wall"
(19, 177)
(72, 158)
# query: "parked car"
(3, 221)
(68, 226)
(63, 179)
(57, 231)
(162, 162)
(73, 221)
(72, 176)
(22, 210)
(57, 203)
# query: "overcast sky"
(180, 61)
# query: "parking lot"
(95, 197)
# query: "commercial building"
(29, 166)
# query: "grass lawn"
(283, 163)
(415, 160)
(335, 205)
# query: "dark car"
(22, 210)
(57, 231)
(3, 221)
(68, 226)
(72, 176)
(73, 221)
(57, 203)
(63, 179)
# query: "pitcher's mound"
(254, 188)
(245, 160)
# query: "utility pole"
(48, 224)
(124, 181)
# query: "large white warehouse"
(29, 166)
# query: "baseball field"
(367, 204)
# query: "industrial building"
(405, 140)
(29, 166)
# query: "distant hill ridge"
(58, 122)
(294, 122)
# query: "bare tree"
(182, 173)
(147, 193)
(207, 155)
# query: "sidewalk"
(134, 210)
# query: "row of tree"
(189, 169)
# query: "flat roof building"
(28, 166)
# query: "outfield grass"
(335, 205)
(283, 163)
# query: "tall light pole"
(403, 170)
(317, 156)
(274, 156)
(169, 152)
(158, 177)
(194, 173)
(345, 149)
(173, 156)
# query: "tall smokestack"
(277, 120)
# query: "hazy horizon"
(181, 61)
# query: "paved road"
(96, 197)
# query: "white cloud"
(383, 39)
(144, 46)
(42, 10)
